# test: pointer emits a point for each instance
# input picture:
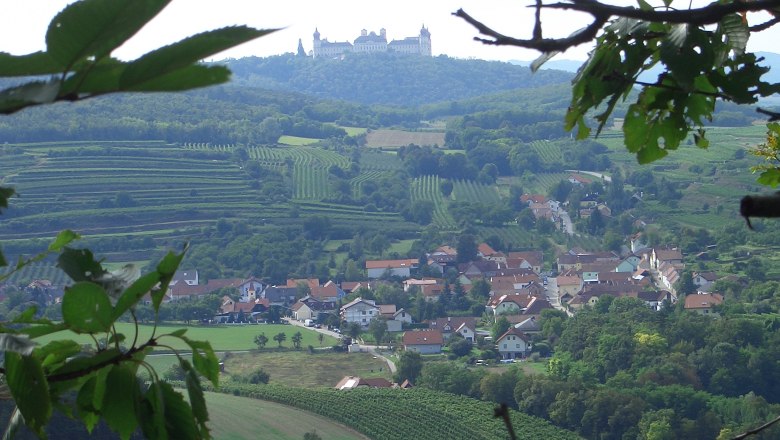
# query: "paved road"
(374, 350)
(593, 173)
(553, 295)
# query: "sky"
(23, 25)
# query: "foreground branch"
(602, 13)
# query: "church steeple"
(301, 52)
(316, 34)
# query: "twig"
(757, 430)
(503, 412)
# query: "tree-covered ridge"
(391, 79)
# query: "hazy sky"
(23, 24)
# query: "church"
(372, 43)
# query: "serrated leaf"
(63, 239)
(736, 31)
(183, 54)
(86, 308)
(119, 405)
(186, 78)
(650, 153)
(103, 77)
(678, 34)
(94, 28)
(178, 415)
(195, 393)
(136, 292)
(152, 413)
(57, 352)
(204, 359)
(14, 99)
(28, 385)
(166, 268)
(34, 64)
(16, 343)
(80, 264)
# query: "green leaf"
(195, 393)
(152, 413)
(16, 343)
(119, 405)
(169, 59)
(63, 239)
(103, 77)
(166, 268)
(100, 387)
(187, 78)
(178, 415)
(204, 359)
(85, 402)
(736, 31)
(94, 28)
(80, 265)
(86, 308)
(14, 99)
(43, 329)
(770, 177)
(57, 352)
(135, 293)
(30, 390)
(76, 364)
(34, 64)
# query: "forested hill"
(391, 79)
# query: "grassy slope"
(235, 417)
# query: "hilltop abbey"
(371, 42)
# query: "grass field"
(234, 418)
(302, 369)
(222, 338)
(295, 140)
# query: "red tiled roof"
(703, 300)
(423, 337)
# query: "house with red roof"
(703, 303)
(423, 341)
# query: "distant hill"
(389, 79)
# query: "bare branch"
(601, 13)
(543, 44)
(757, 430)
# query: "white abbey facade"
(371, 43)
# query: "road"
(553, 295)
(592, 173)
(373, 349)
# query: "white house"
(513, 344)
(361, 311)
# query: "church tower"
(317, 43)
(425, 42)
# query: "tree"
(259, 376)
(261, 340)
(280, 337)
(320, 338)
(410, 366)
(466, 248)
(500, 327)
(460, 346)
(354, 330)
(378, 329)
(79, 65)
(296, 340)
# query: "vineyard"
(399, 138)
(416, 413)
(471, 191)
(427, 188)
(549, 151)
